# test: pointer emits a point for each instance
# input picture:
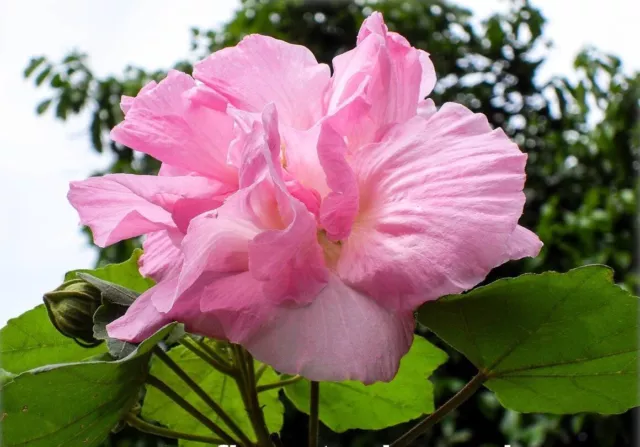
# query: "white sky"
(39, 233)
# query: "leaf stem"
(203, 395)
(212, 353)
(260, 371)
(314, 419)
(459, 398)
(193, 411)
(218, 363)
(151, 429)
(247, 385)
(280, 384)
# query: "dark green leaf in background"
(549, 343)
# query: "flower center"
(330, 249)
(283, 155)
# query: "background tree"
(582, 138)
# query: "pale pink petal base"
(342, 335)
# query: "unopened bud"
(71, 307)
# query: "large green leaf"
(30, 340)
(74, 404)
(125, 274)
(549, 343)
(220, 387)
(347, 405)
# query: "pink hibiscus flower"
(303, 215)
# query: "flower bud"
(71, 307)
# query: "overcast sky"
(39, 233)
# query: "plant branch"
(260, 424)
(220, 365)
(193, 411)
(460, 397)
(247, 385)
(314, 416)
(212, 353)
(151, 429)
(280, 384)
(203, 395)
(260, 371)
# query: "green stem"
(203, 395)
(193, 411)
(260, 424)
(260, 371)
(279, 384)
(219, 365)
(151, 429)
(460, 397)
(247, 385)
(314, 416)
(212, 353)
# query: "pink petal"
(261, 228)
(393, 76)
(429, 79)
(127, 101)
(233, 306)
(161, 254)
(165, 123)
(439, 202)
(340, 207)
(260, 70)
(218, 241)
(143, 319)
(353, 71)
(426, 108)
(341, 335)
(374, 24)
(289, 259)
(231, 271)
(121, 206)
(523, 243)
(168, 170)
(301, 159)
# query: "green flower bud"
(71, 307)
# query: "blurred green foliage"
(581, 132)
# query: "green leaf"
(110, 292)
(125, 274)
(73, 404)
(220, 387)
(43, 75)
(30, 340)
(549, 343)
(347, 405)
(34, 63)
(43, 106)
(5, 376)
